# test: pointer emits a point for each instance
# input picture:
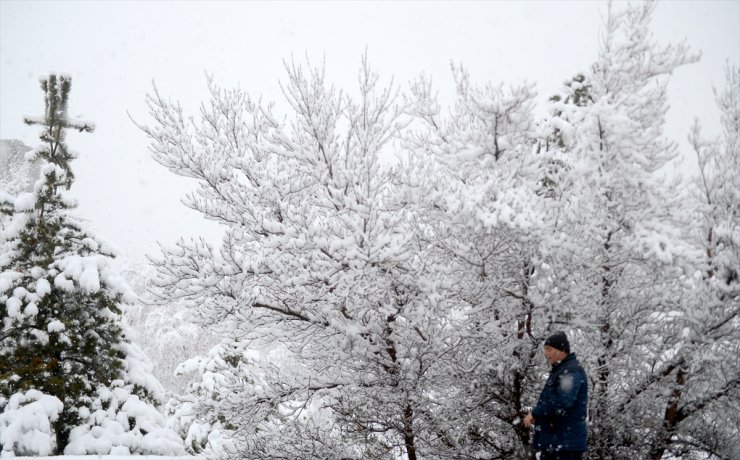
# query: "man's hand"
(528, 420)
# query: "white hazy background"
(114, 51)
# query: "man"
(559, 418)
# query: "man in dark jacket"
(559, 418)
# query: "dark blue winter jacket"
(560, 414)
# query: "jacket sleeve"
(560, 396)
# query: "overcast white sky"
(114, 50)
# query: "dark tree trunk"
(408, 432)
(603, 372)
(670, 418)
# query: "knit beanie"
(559, 341)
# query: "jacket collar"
(571, 356)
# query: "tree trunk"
(603, 372)
(408, 432)
(670, 418)
(62, 424)
(524, 330)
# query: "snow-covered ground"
(108, 457)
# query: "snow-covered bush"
(121, 419)
(212, 377)
(118, 422)
(26, 424)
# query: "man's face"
(553, 355)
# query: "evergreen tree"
(60, 298)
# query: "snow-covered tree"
(372, 310)
(166, 331)
(62, 348)
(328, 319)
(16, 174)
(705, 385)
(480, 216)
(623, 265)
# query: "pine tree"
(60, 298)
